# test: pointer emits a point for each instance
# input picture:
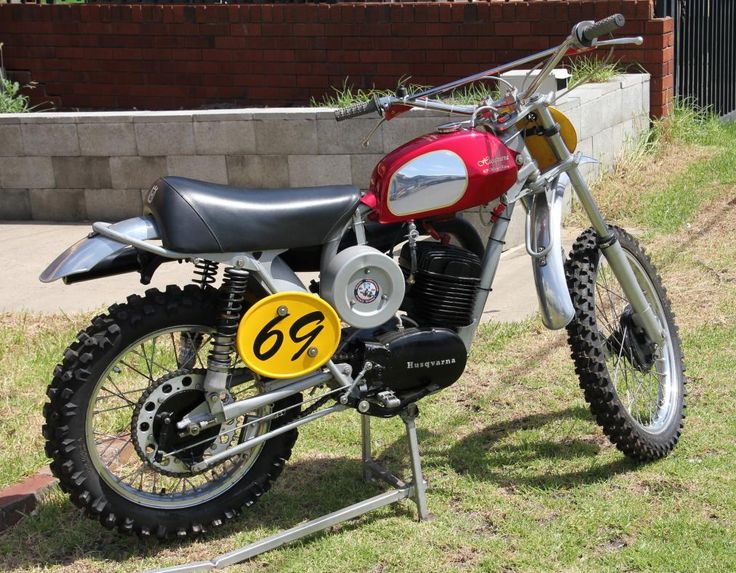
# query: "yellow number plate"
(288, 334)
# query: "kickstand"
(416, 489)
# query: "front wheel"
(636, 390)
(111, 420)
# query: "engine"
(445, 282)
(416, 358)
(420, 353)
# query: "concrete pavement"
(28, 247)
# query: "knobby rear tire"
(587, 346)
(66, 412)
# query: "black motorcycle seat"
(199, 217)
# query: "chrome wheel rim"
(650, 398)
(111, 406)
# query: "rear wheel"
(111, 420)
(636, 390)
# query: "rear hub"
(158, 441)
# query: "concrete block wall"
(608, 117)
(97, 165)
(89, 166)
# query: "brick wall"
(174, 56)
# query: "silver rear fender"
(544, 244)
(82, 256)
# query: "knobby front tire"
(640, 410)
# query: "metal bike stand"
(371, 471)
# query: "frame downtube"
(489, 267)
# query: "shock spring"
(205, 272)
(232, 291)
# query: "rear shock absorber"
(219, 359)
(205, 272)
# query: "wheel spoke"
(114, 409)
(150, 363)
(130, 477)
(610, 292)
(124, 363)
(113, 395)
(608, 312)
(153, 352)
(118, 392)
(195, 347)
(176, 352)
(145, 358)
(618, 359)
(109, 445)
(640, 391)
(199, 347)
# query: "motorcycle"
(173, 411)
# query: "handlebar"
(582, 37)
(587, 32)
(357, 109)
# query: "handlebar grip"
(356, 109)
(589, 31)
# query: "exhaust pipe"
(544, 245)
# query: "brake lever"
(635, 40)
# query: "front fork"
(610, 247)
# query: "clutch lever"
(635, 40)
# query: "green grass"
(583, 69)
(347, 94)
(666, 177)
(520, 477)
(588, 69)
(667, 209)
(11, 100)
(30, 346)
(520, 480)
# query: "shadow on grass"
(309, 488)
(490, 456)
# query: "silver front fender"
(544, 243)
(82, 256)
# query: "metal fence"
(705, 52)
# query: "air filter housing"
(446, 281)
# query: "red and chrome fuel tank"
(441, 173)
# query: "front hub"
(637, 347)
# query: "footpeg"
(388, 399)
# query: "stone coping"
(578, 95)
